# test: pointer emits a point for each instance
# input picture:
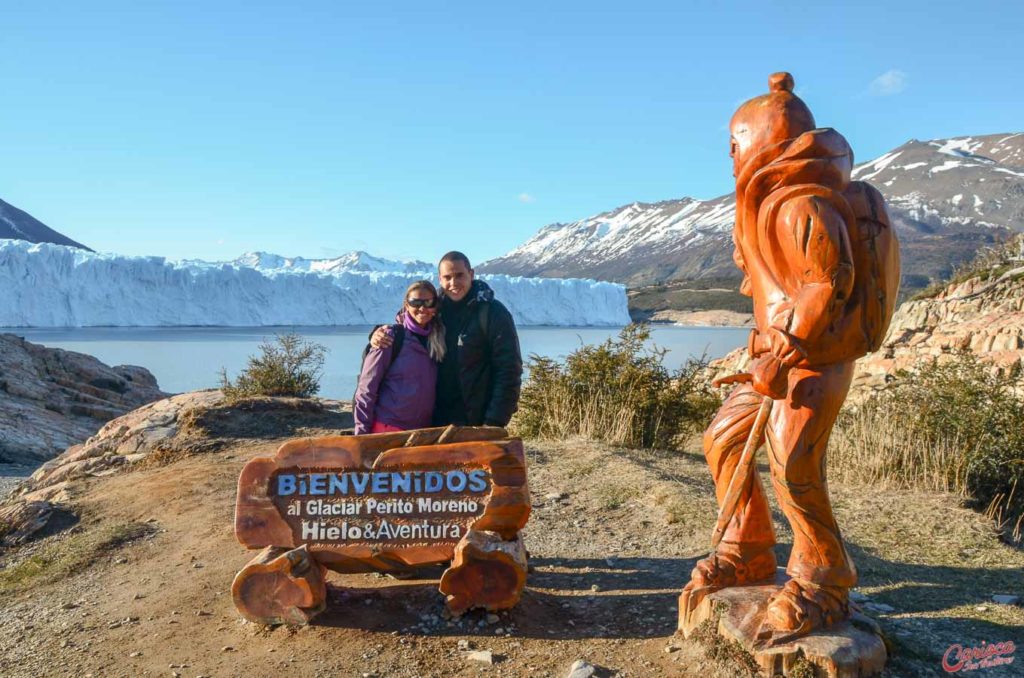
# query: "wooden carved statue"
(821, 261)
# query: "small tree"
(290, 366)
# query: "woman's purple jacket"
(401, 395)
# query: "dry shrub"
(617, 392)
(989, 263)
(288, 367)
(955, 426)
(729, 654)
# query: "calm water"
(189, 358)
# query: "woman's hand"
(381, 337)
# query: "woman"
(396, 393)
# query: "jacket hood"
(819, 156)
(481, 291)
(478, 291)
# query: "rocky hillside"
(182, 425)
(51, 398)
(16, 224)
(948, 197)
(983, 314)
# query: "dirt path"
(142, 585)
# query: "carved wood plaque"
(384, 502)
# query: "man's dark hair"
(454, 256)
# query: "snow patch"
(14, 227)
(961, 147)
(948, 165)
(876, 165)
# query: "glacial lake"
(190, 358)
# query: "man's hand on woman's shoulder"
(381, 337)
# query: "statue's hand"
(784, 347)
(770, 376)
(381, 337)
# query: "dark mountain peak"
(16, 224)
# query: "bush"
(288, 367)
(955, 425)
(618, 392)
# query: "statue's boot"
(722, 569)
(800, 607)
(725, 568)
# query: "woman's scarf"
(411, 325)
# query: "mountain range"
(946, 197)
(356, 260)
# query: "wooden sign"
(389, 502)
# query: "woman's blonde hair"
(435, 340)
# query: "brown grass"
(728, 653)
(71, 553)
(891, 453)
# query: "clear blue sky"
(206, 129)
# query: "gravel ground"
(141, 584)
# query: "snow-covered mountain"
(46, 285)
(947, 197)
(20, 225)
(356, 261)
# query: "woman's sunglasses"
(421, 303)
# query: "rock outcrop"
(185, 424)
(51, 398)
(985, 317)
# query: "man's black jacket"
(480, 378)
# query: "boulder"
(51, 398)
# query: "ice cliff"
(44, 285)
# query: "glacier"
(46, 285)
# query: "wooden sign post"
(390, 502)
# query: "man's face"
(739, 141)
(456, 278)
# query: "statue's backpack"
(876, 264)
(859, 322)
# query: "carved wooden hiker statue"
(821, 262)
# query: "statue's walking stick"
(745, 467)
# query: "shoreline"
(709, 318)
(11, 475)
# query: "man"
(821, 262)
(479, 379)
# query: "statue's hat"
(772, 117)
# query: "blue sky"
(209, 129)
